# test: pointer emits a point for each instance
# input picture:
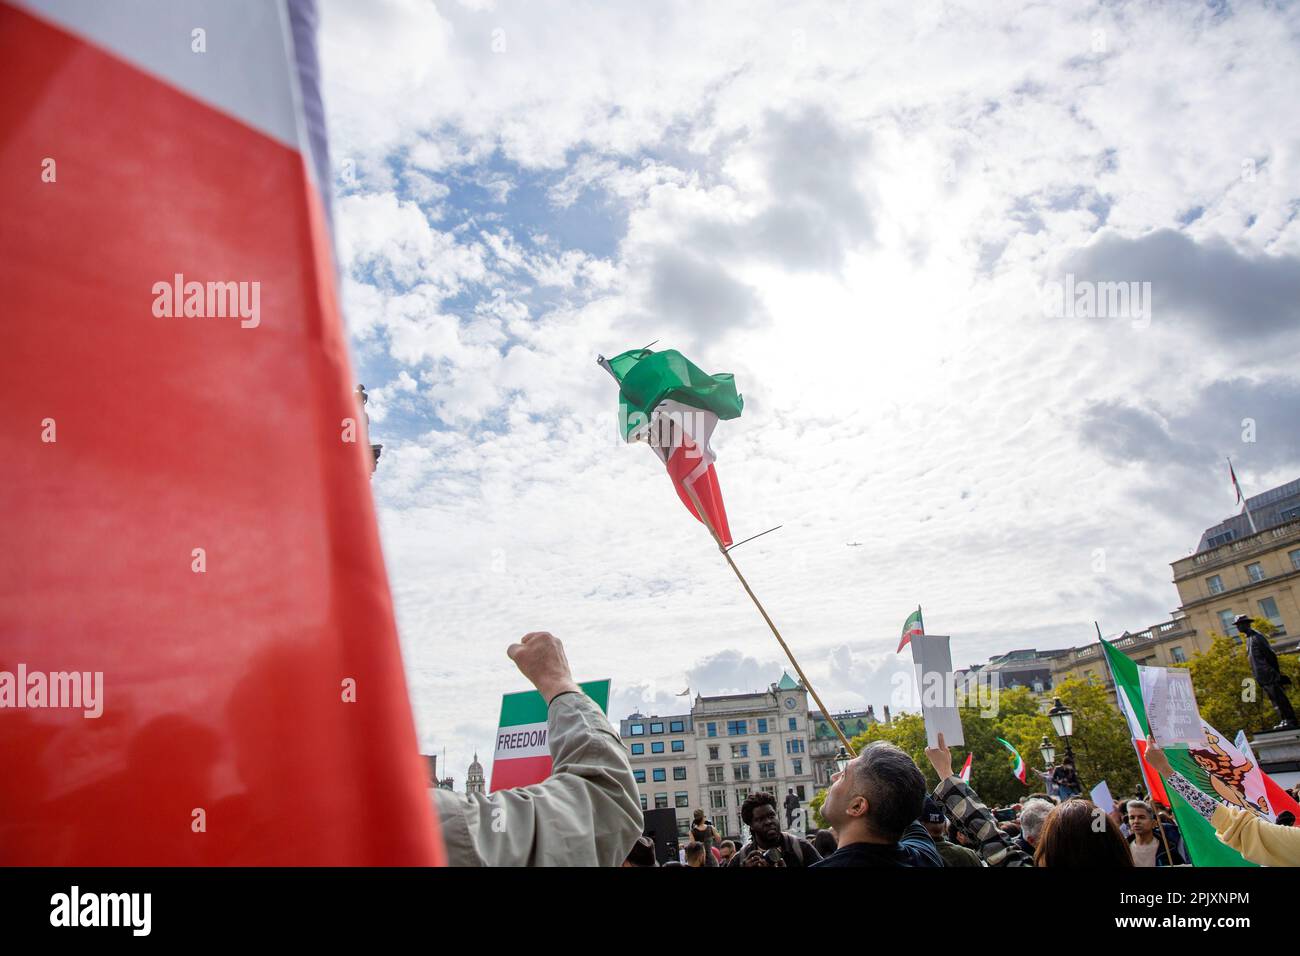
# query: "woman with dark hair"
(1078, 834)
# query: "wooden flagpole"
(777, 634)
(699, 510)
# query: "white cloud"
(854, 209)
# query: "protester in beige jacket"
(588, 813)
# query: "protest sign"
(1171, 707)
(932, 658)
(523, 753)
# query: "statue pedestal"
(1278, 753)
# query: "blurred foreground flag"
(198, 658)
(673, 406)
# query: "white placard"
(932, 658)
(1171, 707)
(1101, 796)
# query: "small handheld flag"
(1017, 763)
(912, 627)
(965, 769)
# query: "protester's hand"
(540, 657)
(940, 759)
(1156, 757)
(756, 858)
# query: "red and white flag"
(188, 520)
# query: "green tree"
(1102, 745)
(815, 805)
(1226, 692)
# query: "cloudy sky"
(860, 210)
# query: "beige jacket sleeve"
(587, 813)
(1256, 839)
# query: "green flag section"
(1199, 838)
(912, 627)
(1017, 762)
(673, 406)
(646, 379)
(523, 753)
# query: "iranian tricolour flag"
(1017, 762)
(673, 406)
(523, 753)
(912, 627)
(1221, 770)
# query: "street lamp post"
(842, 760)
(1062, 719)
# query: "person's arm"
(917, 838)
(1255, 838)
(971, 816)
(587, 813)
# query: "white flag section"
(932, 658)
(1171, 707)
(1101, 797)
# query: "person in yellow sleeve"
(1254, 837)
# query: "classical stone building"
(1240, 569)
(723, 750)
(475, 782)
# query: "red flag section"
(694, 476)
(184, 517)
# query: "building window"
(679, 773)
(661, 801)
(741, 794)
(1268, 608)
(656, 746)
(762, 725)
(656, 728)
(1225, 622)
(794, 746)
(766, 769)
(716, 774)
(711, 729)
(1295, 558)
(765, 748)
(683, 827)
(679, 746)
(740, 771)
(1255, 571)
(736, 728)
(798, 791)
(645, 802)
(638, 749)
(639, 776)
(682, 799)
(713, 753)
(1215, 584)
(659, 775)
(637, 729)
(717, 799)
(740, 750)
(677, 726)
(794, 724)
(1178, 654)
(798, 765)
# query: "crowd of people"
(882, 815)
(879, 810)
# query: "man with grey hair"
(873, 805)
(1033, 814)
